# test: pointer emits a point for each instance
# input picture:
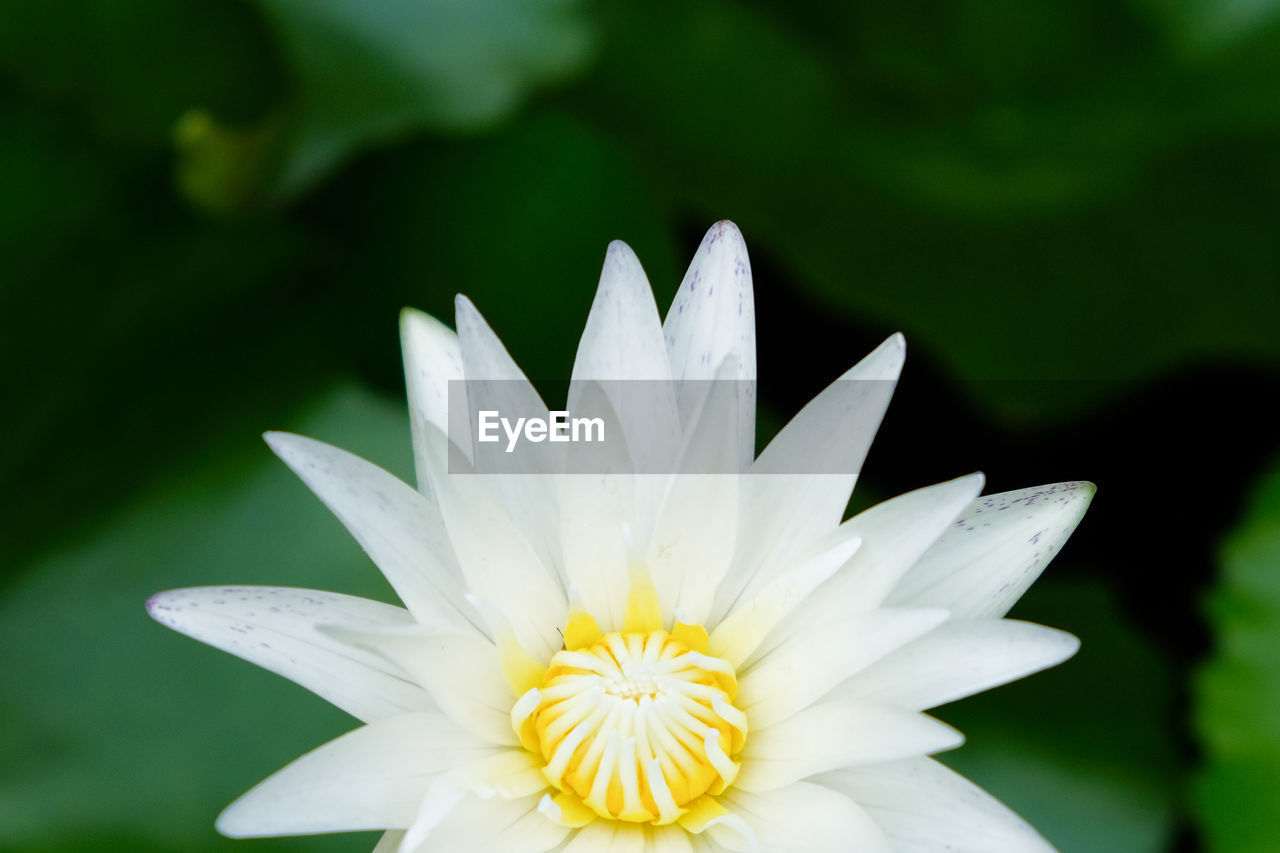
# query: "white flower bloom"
(647, 663)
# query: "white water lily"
(646, 663)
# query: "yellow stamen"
(636, 727)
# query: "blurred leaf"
(1052, 255)
(134, 66)
(113, 725)
(1237, 795)
(1085, 751)
(51, 186)
(126, 324)
(1211, 27)
(369, 71)
(519, 222)
(224, 169)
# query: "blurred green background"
(211, 212)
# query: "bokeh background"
(211, 212)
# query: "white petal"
(990, 556)
(607, 836)
(799, 487)
(801, 818)
(711, 319)
(669, 839)
(622, 356)
(509, 774)
(692, 543)
(594, 512)
(398, 528)
(432, 359)
(494, 825)
(958, 659)
(500, 565)
(813, 662)
(893, 534)
(275, 628)
(495, 382)
(371, 778)
(623, 335)
(741, 634)
(926, 808)
(622, 347)
(694, 536)
(838, 734)
(461, 671)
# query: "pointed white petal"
(800, 485)
(432, 359)
(371, 778)
(893, 534)
(997, 548)
(741, 634)
(814, 661)
(693, 542)
(958, 659)
(483, 355)
(622, 358)
(926, 808)
(461, 671)
(498, 563)
(838, 734)
(801, 818)
(594, 513)
(496, 383)
(696, 529)
(509, 774)
(711, 319)
(493, 825)
(398, 528)
(275, 628)
(623, 335)
(501, 566)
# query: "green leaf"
(113, 726)
(125, 312)
(134, 66)
(519, 222)
(1085, 751)
(1209, 27)
(1237, 795)
(377, 69)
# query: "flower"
(640, 661)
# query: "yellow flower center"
(638, 726)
